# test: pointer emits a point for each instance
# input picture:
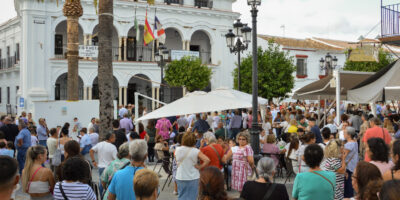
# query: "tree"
(105, 69)
(384, 59)
(188, 72)
(73, 10)
(275, 72)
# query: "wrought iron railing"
(390, 25)
(173, 2)
(201, 3)
(8, 62)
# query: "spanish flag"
(148, 33)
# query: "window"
(0, 95)
(8, 95)
(301, 64)
(17, 51)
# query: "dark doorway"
(58, 49)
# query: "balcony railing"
(140, 53)
(390, 24)
(8, 62)
(168, 2)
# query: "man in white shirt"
(94, 137)
(106, 153)
(90, 125)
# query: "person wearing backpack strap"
(316, 183)
(213, 151)
(121, 186)
(263, 188)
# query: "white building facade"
(33, 47)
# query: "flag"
(160, 32)
(148, 34)
(137, 30)
(150, 2)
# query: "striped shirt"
(74, 191)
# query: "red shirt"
(212, 155)
(142, 134)
(376, 132)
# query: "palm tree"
(105, 70)
(73, 10)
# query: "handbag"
(253, 176)
(56, 160)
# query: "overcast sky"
(334, 19)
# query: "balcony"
(203, 3)
(139, 54)
(7, 63)
(390, 24)
(169, 2)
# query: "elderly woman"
(213, 151)
(334, 163)
(316, 183)
(263, 188)
(145, 185)
(121, 162)
(121, 186)
(242, 160)
(187, 174)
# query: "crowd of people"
(208, 154)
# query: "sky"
(332, 19)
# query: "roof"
(323, 89)
(300, 43)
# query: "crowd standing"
(208, 154)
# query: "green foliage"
(275, 72)
(384, 59)
(188, 72)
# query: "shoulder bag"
(219, 157)
(270, 191)
(184, 157)
(62, 192)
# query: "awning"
(383, 85)
(197, 102)
(326, 89)
(236, 94)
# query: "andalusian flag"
(148, 33)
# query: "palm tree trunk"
(105, 70)
(73, 10)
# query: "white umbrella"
(236, 94)
(197, 102)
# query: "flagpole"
(136, 34)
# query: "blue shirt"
(41, 132)
(7, 152)
(201, 126)
(310, 186)
(353, 155)
(236, 122)
(85, 140)
(122, 183)
(317, 134)
(25, 135)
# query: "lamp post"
(160, 58)
(255, 131)
(327, 65)
(238, 41)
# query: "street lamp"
(328, 65)
(255, 131)
(161, 56)
(238, 42)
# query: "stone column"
(119, 96)
(125, 48)
(85, 93)
(120, 49)
(90, 93)
(188, 45)
(125, 95)
(183, 45)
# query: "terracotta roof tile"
(300, 43)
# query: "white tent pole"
(338, 96)
(319, 110)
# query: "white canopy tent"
(235, 94)
(383, 85)
(197, 102)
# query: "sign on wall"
(179, 54)
(88, 51)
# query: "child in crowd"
(34, 140)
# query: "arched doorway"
(61, 87)
(60, 39)
(115, 41)
(95, 89)
(142, 84)
(173, 40)
(201, 42)
(135, 49)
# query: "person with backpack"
(121, 186)
(121, 162)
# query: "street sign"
(88, 51)
(179, 54)
(21, 102)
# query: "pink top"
(163, 125)
(272, 149)
(383, 166)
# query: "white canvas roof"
(383, 85)
(236, 94)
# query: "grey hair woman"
(122, 161)
(264, 186)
